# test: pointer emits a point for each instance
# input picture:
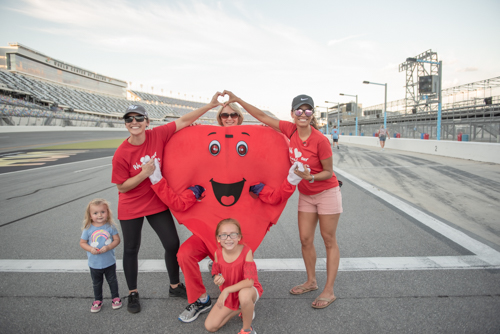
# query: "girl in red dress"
(235, 273)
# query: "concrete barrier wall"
(486, 152)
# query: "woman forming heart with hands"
(319, 199)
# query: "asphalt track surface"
(419, 241)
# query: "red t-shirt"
(142, 200)
(310, 153)
(235, 272)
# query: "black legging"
(164, 226)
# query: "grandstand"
(56, 93)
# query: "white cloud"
(182, 32)
(195, 44)
(199, 47)
(468, 69)
(338, 41)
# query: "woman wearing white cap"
(133, 163)
(320, 197)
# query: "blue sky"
(266, 52)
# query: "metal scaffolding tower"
(423, 67)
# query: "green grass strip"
(109, 143)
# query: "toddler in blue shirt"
(99, 238)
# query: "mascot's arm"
(177, 202)
(273, 196)
(276, 196)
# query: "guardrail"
(485, 152)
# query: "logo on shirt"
(144, 160)
(100, 236)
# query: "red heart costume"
(225, 161)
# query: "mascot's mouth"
(227, 193)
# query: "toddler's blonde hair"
(87, 221)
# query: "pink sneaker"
(96, 306)
(116, 303)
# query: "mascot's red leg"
(192, 251)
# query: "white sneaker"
(192, 312)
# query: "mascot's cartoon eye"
(242, 148)
(214, 147)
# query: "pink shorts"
(327, 202)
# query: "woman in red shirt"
(319, 192)
(133, 163)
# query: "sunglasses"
(226, 115)
(299, 112)
(139, 119)
(233, 235)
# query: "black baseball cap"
(302, 99)
(137, 109)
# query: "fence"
(467, 120)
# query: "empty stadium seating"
(77, 99)
(75, 104)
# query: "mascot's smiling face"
(228, 193)
(226, 161)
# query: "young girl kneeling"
(235, 273)
(99, 238)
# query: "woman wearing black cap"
(319, 198)
(133, 163)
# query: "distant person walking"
(383, 134)
(335, 136)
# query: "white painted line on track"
(346, 264)
(484, 252)
(68, 163)
(392, 167)
(485, 257)
(82, 170)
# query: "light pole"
(326, 117)
(385, 99)
(338, 112)
(342, 94)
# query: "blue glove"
(256, 189)
(197, 190)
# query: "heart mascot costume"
(225, 161)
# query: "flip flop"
(303, 289)
(329, 301)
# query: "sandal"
(329, 301)
(302, 289)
